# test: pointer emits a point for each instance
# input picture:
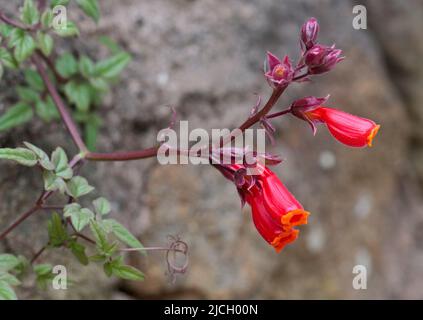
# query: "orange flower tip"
(294, 218)
(372, 134)
(284, 238)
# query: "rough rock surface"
(205, 59)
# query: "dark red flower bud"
(321, 59)
(278, 72)
(309, 32)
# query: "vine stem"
(278, 114)
(15, 23)
(38, 254)
(122, 156)
(38, 204)
(151, 249)
(61, 107)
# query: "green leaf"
(30, 14)
(22, 156)
(9, 278)
(80, 217)
(59, 3)
(100, 236)
(68, 30)
(78, 187)
(45, 43)
(108, 269)
(110, 44)
(90, 134)
(44, 274)
(127, 272)
(86, 66)
(34, 79)
(7, 58)
(1, 71)
(123, 234)
(43, 269)
(101, 206)
(90, 8)
(15, 115)
(5, 30)
(47, 18)
(61, 164)
(56, 231)
(43, 158)
(99, 84)
(15, 36)
(52, 182)
(78, 251)
(66, 65)
(46, 110)
(8, 262)
(6, 291)
(23, 43)
(112, 66)
(27, 94)
(79, 93)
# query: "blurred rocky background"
(204, 57)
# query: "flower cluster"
(275, 211)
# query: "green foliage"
(78, 251)
(101, 206)
(123, 234)
(6, 291)
(8, 262)
(56, 231)
(10, 265)
(22, 156)
(44, 274)
(30, 14)
(80, 217)
(111, 67)
(61, 164)
(23, 44)
(79, 93)
(46, 110)
(78, 187)
(16, 115)
(90, 8)
(7, 59)
(34, 80)
(59, 3)
(45, 43)
(69, 30)
(84, 83)
(66, 65)
(42, 157)
(47, 18)
(119, 269)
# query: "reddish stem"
(61, 107)
(278, 114)
(18, 221)
(38, 205)
(15, 23)
(122, 156)
(38, 254)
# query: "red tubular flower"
(275, 210)
(344, 127)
